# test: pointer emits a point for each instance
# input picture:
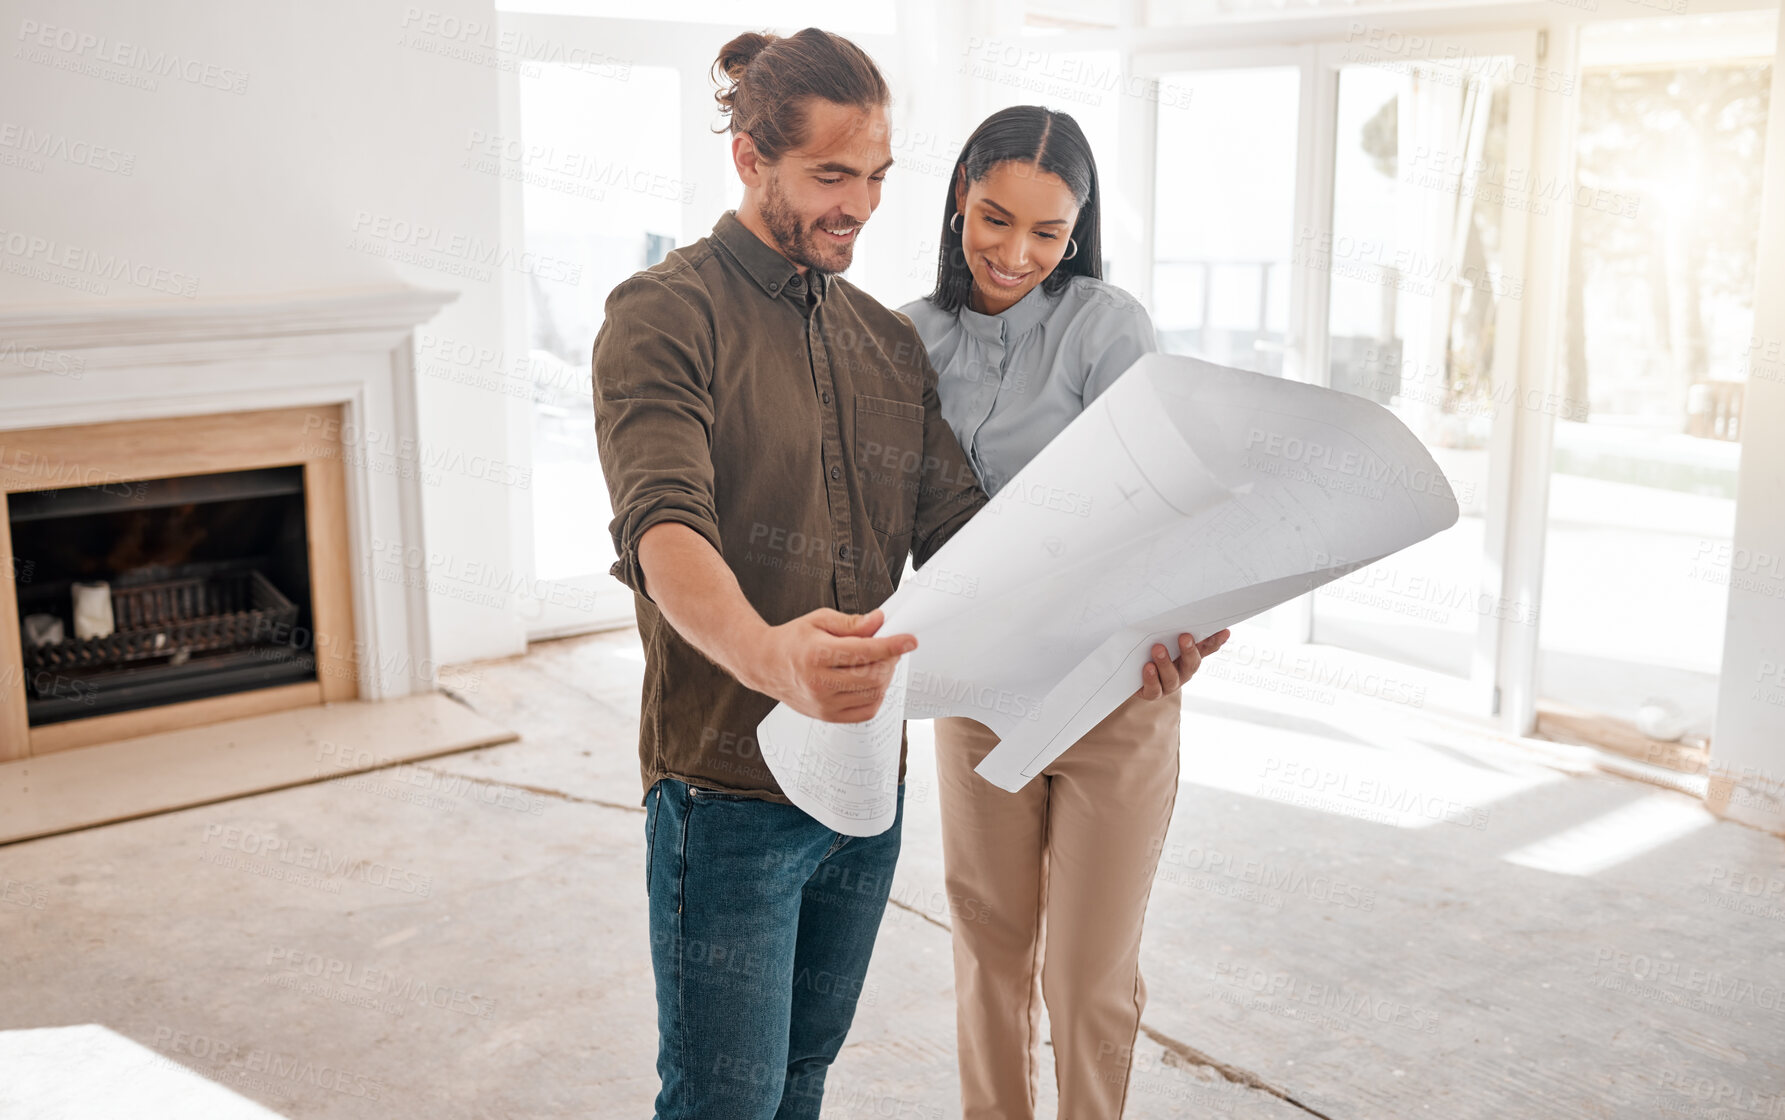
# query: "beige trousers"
(1066, 864)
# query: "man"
(774, 450)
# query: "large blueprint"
(1186, 498)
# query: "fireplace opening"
(142, 593)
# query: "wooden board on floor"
(194, 766)
(1563, 724)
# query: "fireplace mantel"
(67, 365)
(104, 338)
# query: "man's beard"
(798, 243)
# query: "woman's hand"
(1162, 676)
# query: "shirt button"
(836, 472)
(794, 282)
(825, 397)
(843, 552)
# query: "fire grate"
(224, 609)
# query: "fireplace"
(203, 475)
(200, 583)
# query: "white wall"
(346, 123)
(1748, 746)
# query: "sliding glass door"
(1356, 217)
(1432, 188)
(609, 162)
(573, 125)
(1224, 213)
(1656, 352)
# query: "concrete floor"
(1361, 912)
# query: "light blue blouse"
(1011, 382)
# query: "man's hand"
(828, 665)
(825, 664)
(1162, 676)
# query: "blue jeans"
(762, 921)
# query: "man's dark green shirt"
(793, 422)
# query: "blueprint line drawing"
(1188, 497)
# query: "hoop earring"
(1072, 250)
(955, 227)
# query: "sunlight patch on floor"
(1364, 772)
(1611, 838)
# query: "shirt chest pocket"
(889, 458)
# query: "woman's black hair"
(1052, 141)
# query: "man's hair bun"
(765, 80)
(734, 59)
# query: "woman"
(1024, 333)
